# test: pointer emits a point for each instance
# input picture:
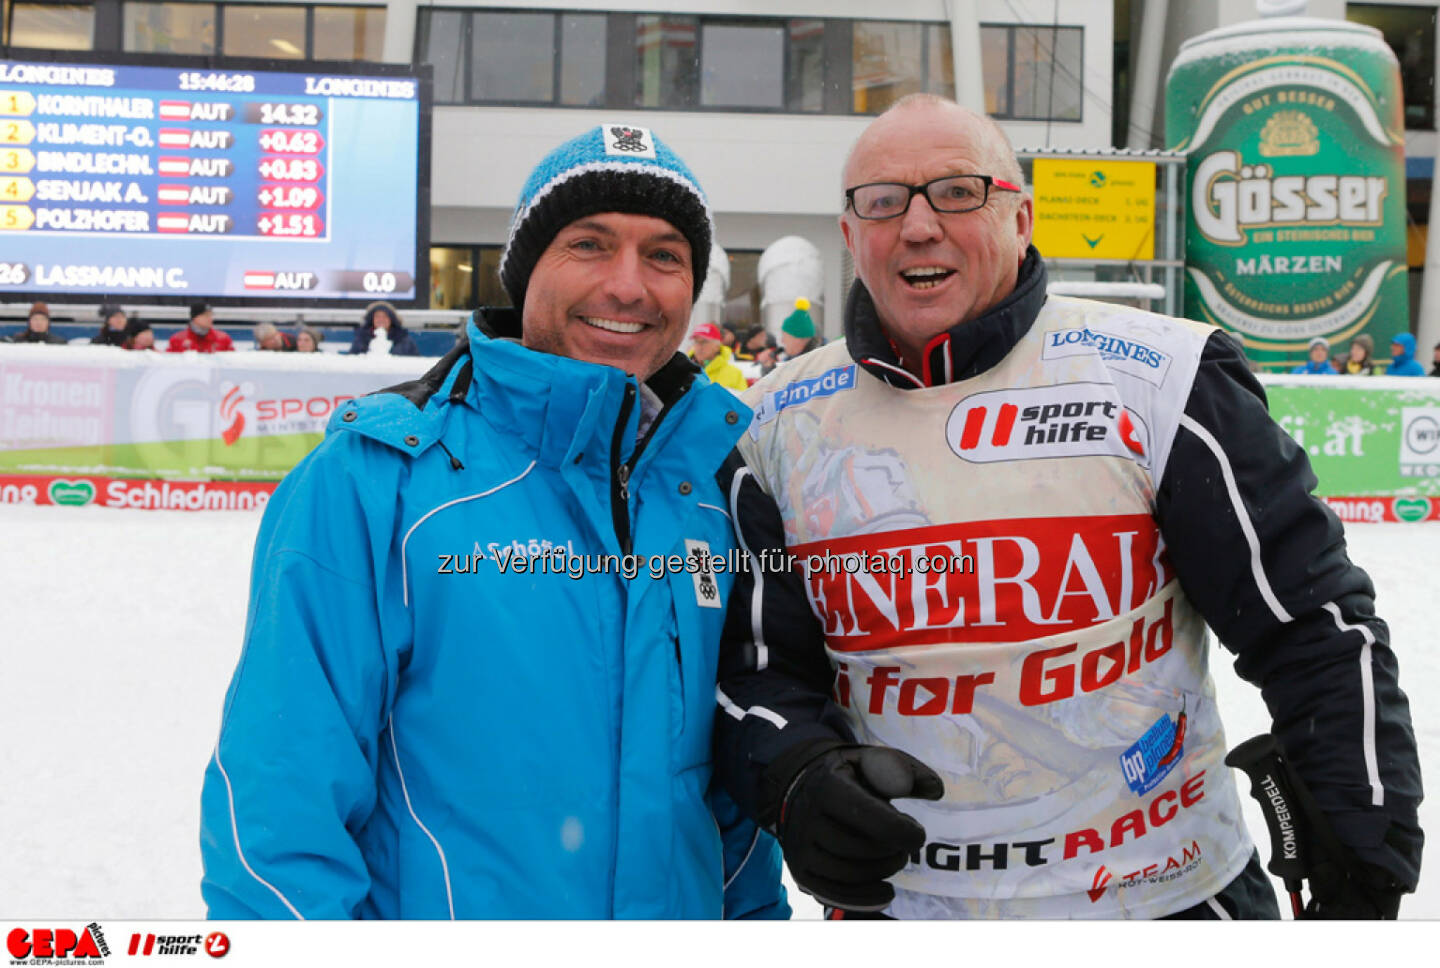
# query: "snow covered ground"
(121, 629)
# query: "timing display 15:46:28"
(196, 81)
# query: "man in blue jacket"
(1402, 357)
(480, 658)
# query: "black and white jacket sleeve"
(1265, 563)
(775, 678)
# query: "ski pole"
(1260, 759)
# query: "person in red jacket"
(201, 335)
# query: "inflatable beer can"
(1295, 214)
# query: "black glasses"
(952, 193)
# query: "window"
(349, 33)
(55, 26)
(582, 59)
(1410, 32)
(174, 28)
(271, 30)
(439, 43)
(1032, 73)
(666, 67)
(464, 276)
(891, 60)
(754, 64)
(743, 66)
(510, 57)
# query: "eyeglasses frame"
(989, 181)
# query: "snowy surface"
(121, 629)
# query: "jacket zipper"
(620, 477)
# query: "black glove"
(840, 834)
(1365, 893)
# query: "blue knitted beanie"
(610, 168)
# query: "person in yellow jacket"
(708, 349)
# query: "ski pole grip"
(1259, 759)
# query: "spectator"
(382, 316)
(707, 348)
(38, 329)
(138, 335)
(1436, 358)
(418, 729)
(797, 333)
(1359, 361)
(112, 327)
(756, 339)
(1319, 361)
(307, 339)
(1402, 357)
(730, 333)
(202, 335)
(268, 337)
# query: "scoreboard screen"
(165, 179)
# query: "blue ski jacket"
(456, 697)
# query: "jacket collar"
(964, 351)
(560, 406)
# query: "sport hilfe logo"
(60, 944)
(1070, 420)
(215, 944)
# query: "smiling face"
(613, 289)
(928, 271)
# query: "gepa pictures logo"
(42, 946)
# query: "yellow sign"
(1094, 209)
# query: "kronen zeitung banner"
(1295, 224)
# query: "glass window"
(886, 63)
(1046, 77)
(582, 59)
(349, 33)
(512, 56)
(452, 272)
(54, 26)
(271, 30)
(805, 70)
(439, 43)
(1410, 32)
(1033, 73)
(743, 66)
(940, 78)
(488, 290)
(174, 28)
(666, 65)
(995, 69)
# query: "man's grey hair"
(1007, 164)
(264, 331)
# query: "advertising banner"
(240, 417)
(1374, 443)
(1295, 226)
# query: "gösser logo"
(1070, 420)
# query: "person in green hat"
(797, 333)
